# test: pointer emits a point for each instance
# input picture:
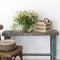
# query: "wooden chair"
(13, 53)
(1, 27)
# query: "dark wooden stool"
(13, 53)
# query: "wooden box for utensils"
(43, 26)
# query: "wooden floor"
(36, 59)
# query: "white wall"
(46, 8)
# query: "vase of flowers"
(26, 19)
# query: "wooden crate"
(43, 26)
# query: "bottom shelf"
(30, 54)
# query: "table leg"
(21, 56)
(0, 58)
(10, 58)
(53, 47)
(0, 37)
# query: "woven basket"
(6, 45)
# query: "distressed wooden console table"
(7, 34)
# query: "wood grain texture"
(33, 33)
(1, 26)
